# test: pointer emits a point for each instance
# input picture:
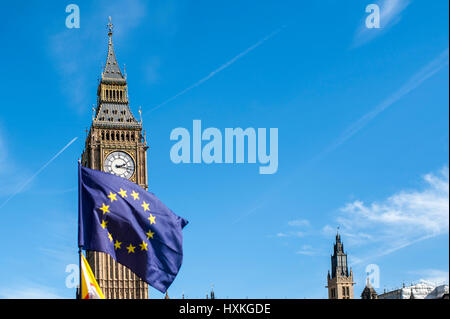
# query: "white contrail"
(37, 172)
(221, 68)
(415, 81)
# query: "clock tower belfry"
(115, 144)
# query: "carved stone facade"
(340, 281)
(114, 129)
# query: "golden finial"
(140, 114)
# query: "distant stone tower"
(340, 281)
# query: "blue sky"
(363, 129)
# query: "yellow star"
(105, 209)
(143, 245)
(152, 219)
(104, 222)
(123, 193)
(112, 196)
(110, 237)
(150, 234)
(145, 205)
(135, 195)
(131, 249)
(117, 245)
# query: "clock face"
(120, 164)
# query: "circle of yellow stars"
(105, 210)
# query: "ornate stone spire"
(339, 259)
(112, 70)
(338, 237)
(112, 94)
(340, 280)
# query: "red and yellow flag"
(89, 286)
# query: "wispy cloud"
(218, 70)
(59, 248)
(390, 14)
(29, 292)
(299, 222)
(400, 220)
(2, 150)
(151, 69)
(29, 180)
(435, 276)
(328, 231)
(55, 191)
(65, 49)
(281, 235)
(76, 51)
(126, 15)
(291, 234)
(308, 250)
(414, 82)
(10, 175)
(250, 211)
(5, 170)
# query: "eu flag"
(122, 219)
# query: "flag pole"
(79, 247)
(81, 282)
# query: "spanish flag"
(89, 286)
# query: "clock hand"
(125, 168)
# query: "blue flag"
(122, 219)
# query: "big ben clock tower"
(115, 144)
